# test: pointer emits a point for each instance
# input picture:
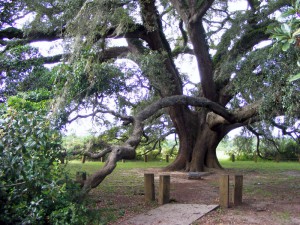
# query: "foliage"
(73, 141)
(284, 149)
(242, 148)
(98, 16)
(31, 101)
(97, 83)
(287, 34)
(50, 14)
(34, 187)
(9, 11)
(22, 70)
(245, 148)
(272, 75)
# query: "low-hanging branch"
(127, 149)
(97, 155)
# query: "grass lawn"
(91, 167)
(263, 179)
(260, 165)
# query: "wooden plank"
(164, 189)
(149, 187)
(237, 196)
(171, 214)
(224, 191)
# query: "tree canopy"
(125, 58)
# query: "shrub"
(34, 187)
(289, 150)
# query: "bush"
(34, 187)
(242, 148)
(283, 149)
(289, 150)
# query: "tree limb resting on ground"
(127, 149)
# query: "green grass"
(91, 167)
(125, 181)
(266, 179)
(261, 165)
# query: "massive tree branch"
(92, 155)
(157, 41)
(32, 36)
(107, 54)
(16, 63)
(193, 22)
(127, 149)
(97, 155)
(205, 65)
(52, 59)
(112, 53)
(185, 100)
(11, 33)
(243, 116)
(198, 11)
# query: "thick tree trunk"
(198, 143)
(185, 123)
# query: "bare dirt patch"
(268, 198)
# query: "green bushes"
(283, 149)
(241, 147)
(34, 189)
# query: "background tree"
(266, 143)
(241, 83)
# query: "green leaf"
(297, 3)
(291, 41)
(280, 37)
(288, 13)
(297, 32)
(294, 78)
(286, 29)
(286, 46)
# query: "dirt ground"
(268, 197)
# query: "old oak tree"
(140, 80)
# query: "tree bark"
(198, 143)
(200, 133)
